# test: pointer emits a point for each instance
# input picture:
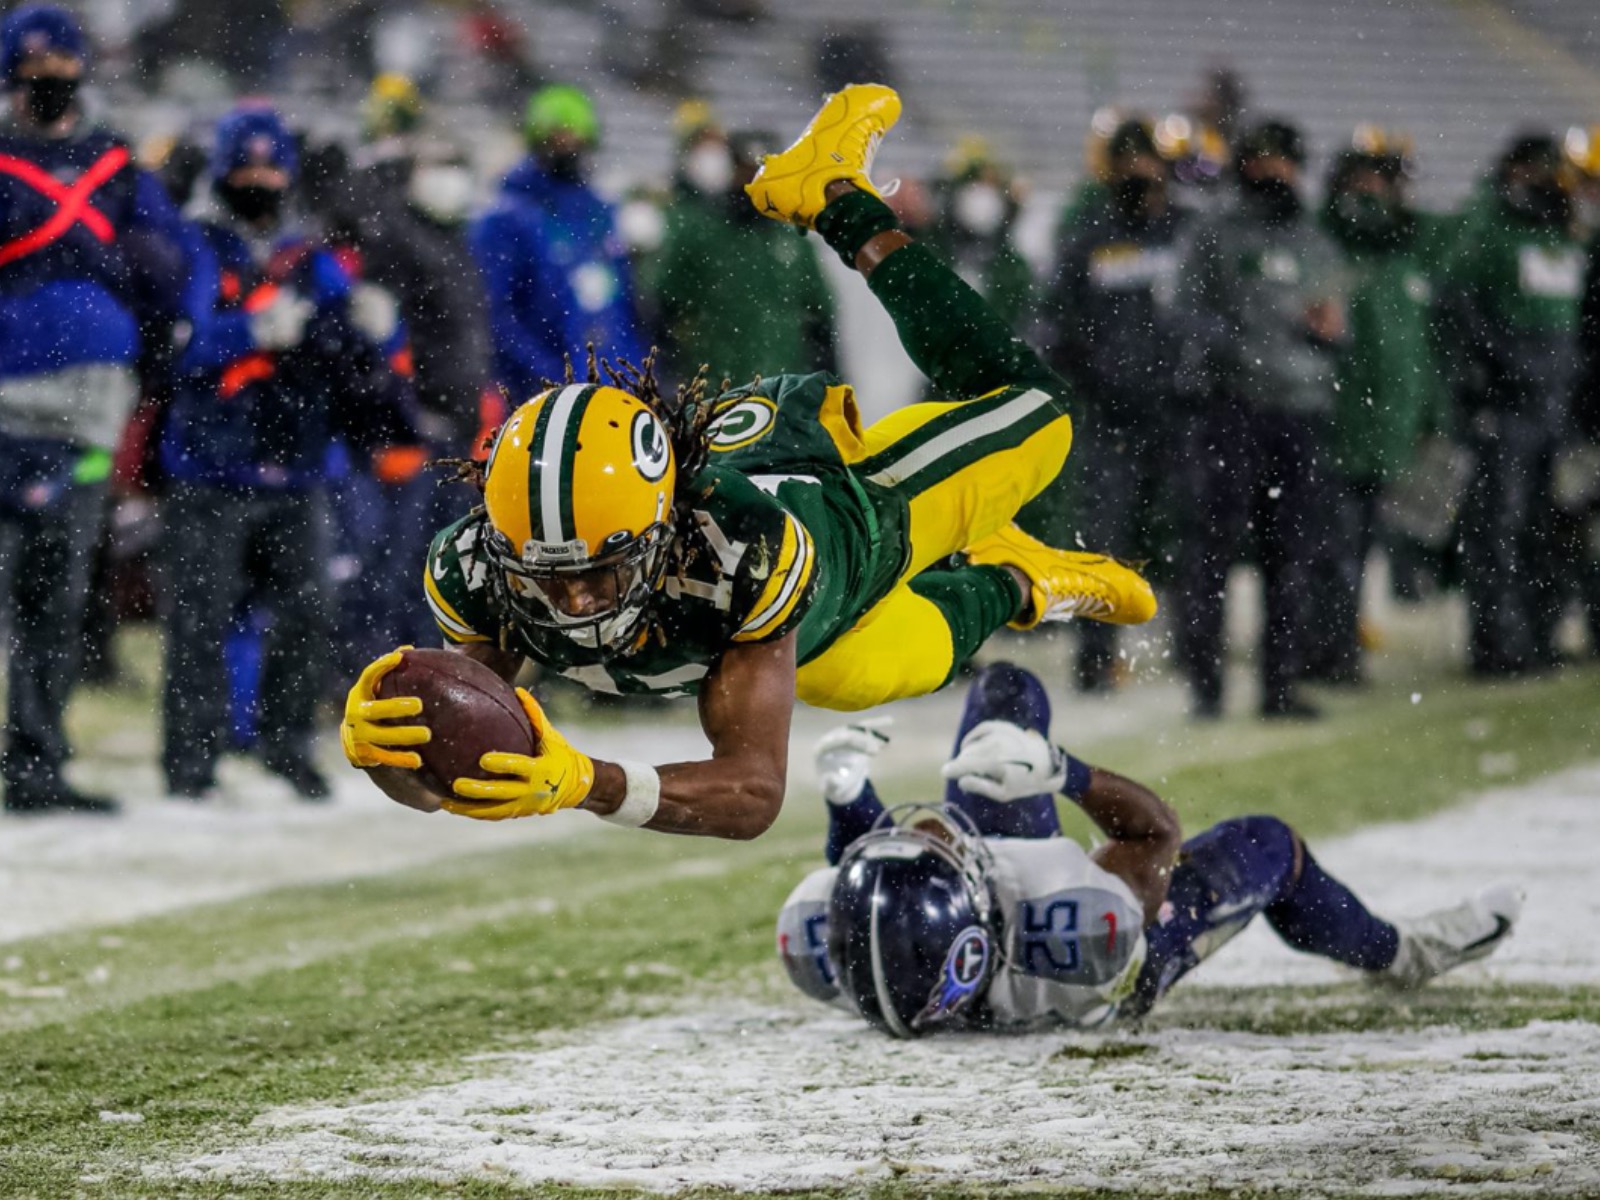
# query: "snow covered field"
(737, 1097)
(740, 1095)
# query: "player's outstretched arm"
(745, 707)
(1004, 762)
(1144, 832)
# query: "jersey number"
(1049, 937)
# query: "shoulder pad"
(767, 551)
(455, 579)
(803, 936)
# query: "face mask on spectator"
(49, 97)
(1543, 201)
(641, 225)
(979, 208)
(252, 202)
(443, 192)
(1276, 199)
(709, 168)
(1132, 195)
(566, 165)
(1365, 218)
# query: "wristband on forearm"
(1077, 783)
(640, 799)
(850, 221)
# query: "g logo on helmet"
(742, 422)
(651, 453)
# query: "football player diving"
(754, 546)
(978, 914)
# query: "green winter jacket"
(1390, 391)
(1511, 291)
(746, 296)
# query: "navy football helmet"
(912, 920)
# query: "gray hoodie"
(1244, 286)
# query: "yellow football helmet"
(579, 490)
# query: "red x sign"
(72, 202)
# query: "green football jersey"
(780, 537)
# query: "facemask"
(979, 208)
(1545, 203)
(252, 203)
(49, 97)
(1365, 219)
(709, 168)
(565, 165)
(641, 226)
(1275, 199)
(442, 192)
(1132, 195)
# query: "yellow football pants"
(965, 469)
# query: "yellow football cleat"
(840, 143)
(1067, 583)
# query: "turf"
(200, 1020)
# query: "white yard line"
(738, 1096)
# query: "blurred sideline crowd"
(226, 366)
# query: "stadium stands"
(1030, 72)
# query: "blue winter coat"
(242, 417)
(68, 293)
(557, 278)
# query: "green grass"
(1379, 757)
(202, 1019)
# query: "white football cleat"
(1439, 941)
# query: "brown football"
(470, 709)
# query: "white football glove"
(1001, 761)
(374, 311)
(282, 323)
(844, 755)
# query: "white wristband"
(642, 798)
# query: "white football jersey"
(1072, 936)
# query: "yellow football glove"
(558, 777)
(366, 743)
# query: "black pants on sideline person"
(1333, 652)
(211, 535)
(48, 532)
(1255, 481)
(1507, 535)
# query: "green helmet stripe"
(555, 439)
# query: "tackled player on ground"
(758, 545)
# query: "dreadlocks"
(686, 415)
